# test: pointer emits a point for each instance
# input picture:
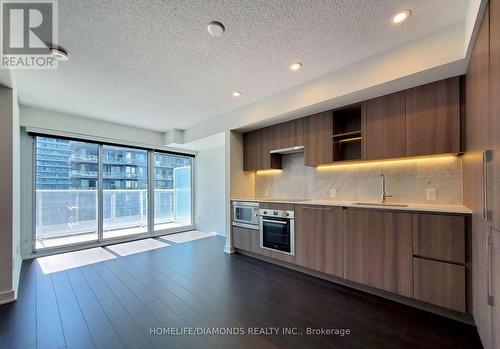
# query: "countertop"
(457, 209)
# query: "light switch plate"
(431, 194)
(333, 193)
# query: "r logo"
(27, 27)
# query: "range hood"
(290, 150)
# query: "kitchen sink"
(379, 204)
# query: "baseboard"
(229, 249)
(207, 230)
(7, 297)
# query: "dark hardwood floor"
(115, 303)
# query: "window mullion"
(151, 193)
(100, 195)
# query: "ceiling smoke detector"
(216, 28)
(60, 53)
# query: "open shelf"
(347, 134)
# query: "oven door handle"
(272, 221)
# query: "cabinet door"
(268, 160)
(252, 150)
(288, 134)
(439, 237)
(384, 127)
(477, 91)
(494, 264)
(494, 113)
(318, 238)
(318, 141)
(433, 118)
(246, 239)
(440, 283)
(378, 250)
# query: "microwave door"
(243, 214)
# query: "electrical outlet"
(333, 193)
(266, 192)
(431, 194)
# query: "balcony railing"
(83, 158)
(80, 173)
(71, 212)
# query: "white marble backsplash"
(406, 181)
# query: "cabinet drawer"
(439, 237)
(246, 239)
(439, 283)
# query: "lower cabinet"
(318, 238)
(417, 255)
(378, 250)
(246, 239)
(440, 283)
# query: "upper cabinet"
(425, 120)
(252, 150)
(257, 146)
(288, 134)
(318, 141)
(433, 118)
(347, 133)
(384, 127)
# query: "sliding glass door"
(125, 191)
(66, 188)
(172, 191)
(87, 192)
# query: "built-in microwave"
(246, 214)
(277, 231)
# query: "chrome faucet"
(383, 195)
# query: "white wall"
(10, 261)
(210, 192)
(16, 195)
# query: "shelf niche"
(347, 134)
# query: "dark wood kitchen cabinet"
(319, 234)
(268, 161)
(252, 149)
(433, 118)
(440, 237)
(257, 146)
(440, 283)
(318, 141)
(494, 113)
(288, 134)
(246, 239)
(494, 117)
(378, 250)
(384, 127)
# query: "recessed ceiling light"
(295, 66)
(216, 28)
(401, 16)
(60, 53)
(236, 93)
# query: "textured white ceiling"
(152, 64)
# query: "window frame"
(100, 189)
